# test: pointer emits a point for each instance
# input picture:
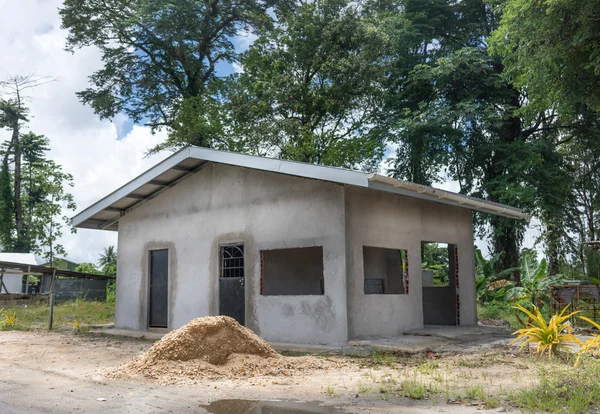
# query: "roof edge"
(445, 197)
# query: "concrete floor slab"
(439, 339)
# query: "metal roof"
(105, 213)
(45, 270)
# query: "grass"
(72, 315)
(565, 390)
(330, 391)
(413, 389)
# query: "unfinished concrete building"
(299, 253)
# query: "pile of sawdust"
(213, 347)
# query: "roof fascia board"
(483, 207)
(131, 186)
(319, 172)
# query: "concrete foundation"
(266, 211)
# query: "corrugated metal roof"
(105, 213)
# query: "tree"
(309, 87)
(108, 261)
(13, 115)
(550, 48)
(157, 54)
(453, 113)
(87, 268)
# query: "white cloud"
(87, 147)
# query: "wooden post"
(2, 282)
(51, 299)
(27, 280)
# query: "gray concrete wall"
(398, 222)
(224, 204)
(13, 282)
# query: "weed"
(363, 388)
(330, 391)
(378, 357)
(560, 390)
(10, 319)
(491, 403)
(475, 393)
(413, 389)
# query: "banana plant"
(490, 285)
(535, 283)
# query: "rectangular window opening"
(438, 264)
(385, 271)
(297, 271)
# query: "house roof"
(105, 213)
(23, 258)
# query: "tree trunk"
(17, 184)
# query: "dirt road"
(63, 373)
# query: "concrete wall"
(392, 221)
(224, 204)
(13, 282)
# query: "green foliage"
(563, 390)
(309, 87)
(535, 283)
(85, 312)
(87, 268)
(551, 49)
(108, 261)
(158, 54)
(490, 284)
(434, 257)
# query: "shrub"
(549, 337)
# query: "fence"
(582, 298)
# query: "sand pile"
(213, 347)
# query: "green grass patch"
(73, 315)
(563, 390)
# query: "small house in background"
(299, 253)
(62, 264)
(12, 279)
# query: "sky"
(101, 155)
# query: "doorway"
(232, 293)
(439, 264)
(159, 289)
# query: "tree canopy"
(499, 96)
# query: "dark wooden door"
(159, 288)
(232, 293)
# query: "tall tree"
(551, 48)
(309, 87)
(157, 54)
(451, 112)
(13, 115)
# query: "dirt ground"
(64, 373)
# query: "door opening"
(439, 263)
(159, 288)
(232, 297)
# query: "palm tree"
(108, 260)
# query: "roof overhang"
(105, 214)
